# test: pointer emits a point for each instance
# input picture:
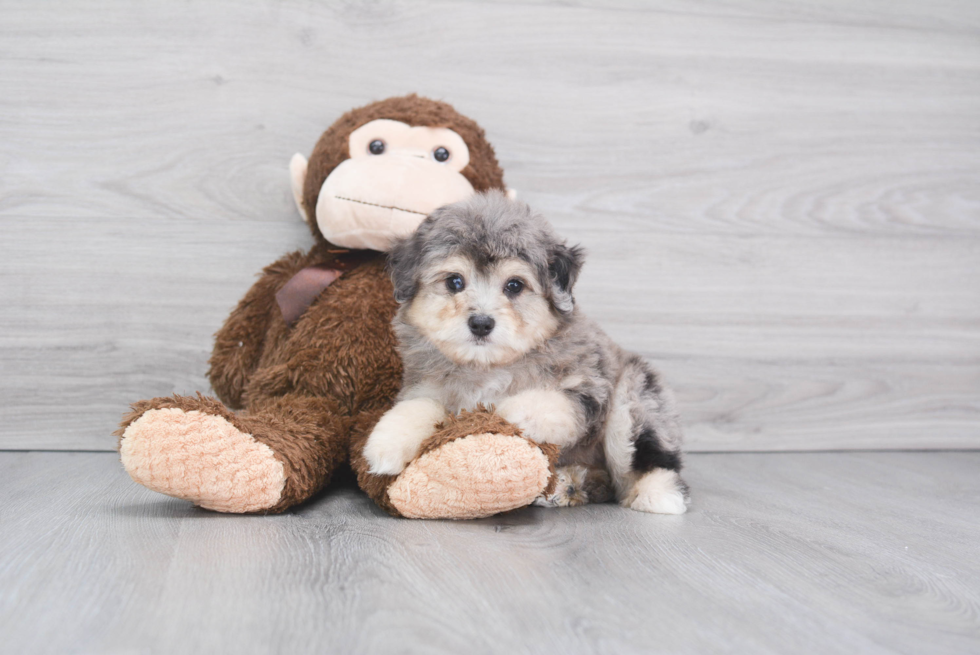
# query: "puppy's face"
(485, 280)
(487, 315)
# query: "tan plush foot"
(202, 458)
(471, 477)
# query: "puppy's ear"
(564, 264)
(404, 259)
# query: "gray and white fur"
(487, 315)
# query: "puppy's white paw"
(670, 502)
(543, 415)
(387, 453)
(398, 436)
(660, 492)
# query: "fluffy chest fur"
(460, 387)
(558, 365)
(472, 388)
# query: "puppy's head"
(485, 280)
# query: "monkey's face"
(396, 175)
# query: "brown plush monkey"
(309, 353)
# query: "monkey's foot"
(477, 465)
(202, 458)
(471, 477)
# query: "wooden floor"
(780, 553)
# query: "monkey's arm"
(239, 343)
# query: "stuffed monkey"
(308, 355)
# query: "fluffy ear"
(297, 179)
(404, 259)
(564, 264)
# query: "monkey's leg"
(269, 459)
(476, 465)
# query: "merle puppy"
(487, 316)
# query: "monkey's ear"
(511, 194)
(404, 259)
(564, 264)
(297, 179)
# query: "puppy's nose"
(481, 325)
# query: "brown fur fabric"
(483, 171)
(312, 392)
(375, 486)
(239, 344)
(301, 387)
(306, 434)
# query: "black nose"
(481, 325)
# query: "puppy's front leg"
(544, 415)
(398, 436)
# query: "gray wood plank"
(780, 553)
(780, 201)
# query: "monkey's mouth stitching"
(374, 204)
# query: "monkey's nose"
(481, 325)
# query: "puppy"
(487, 317)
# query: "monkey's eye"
(455, 283)
(376, 147)
(440, 154)
(513, 287)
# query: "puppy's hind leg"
(577, 485)
(642, 442)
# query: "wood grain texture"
(780, 201)
(780, 553)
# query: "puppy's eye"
(513, 287)
(455, 283)
(440, 154)
(376, 147)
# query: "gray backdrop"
(781, 204)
